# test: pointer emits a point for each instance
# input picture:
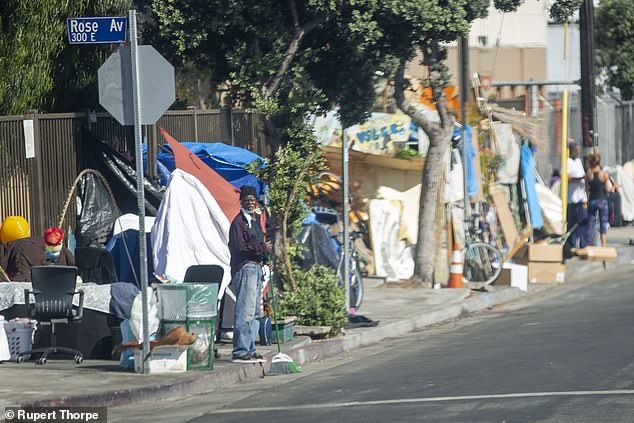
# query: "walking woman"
(599, 185)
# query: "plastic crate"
(286, 329)
(180, 302)
(200, 355)
(20, 337)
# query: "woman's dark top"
(597, 187)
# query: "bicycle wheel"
(356, 282)
(356, 285)
(482, 263)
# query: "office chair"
(53, 288)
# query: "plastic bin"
(200, 355)
(286, 329)
(180, 302)
(20, 337)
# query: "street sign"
(157, 89)
(96, 30)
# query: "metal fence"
(37, 172)
(615, 131)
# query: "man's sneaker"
(245, 359)
(258, 357)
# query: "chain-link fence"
(614, 126)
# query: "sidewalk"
(399, 310)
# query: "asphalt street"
(569, 358)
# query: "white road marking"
(423, 400)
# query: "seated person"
(20, 255)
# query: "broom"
(281, 363)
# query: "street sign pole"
(138, 135)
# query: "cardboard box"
(514, 275)
(545, 253)
(592, 253)
(540, 272)
(163, 359)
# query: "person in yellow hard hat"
(14, 228)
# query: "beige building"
(504, 47)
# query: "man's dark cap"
(248, 190)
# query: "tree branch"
(271, 87)
(408, 108)
(446, 120)
(295, 15)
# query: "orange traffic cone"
(455, 272)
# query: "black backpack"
(614, 209)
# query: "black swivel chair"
(53, 291)
(204, 273)
(208, 273)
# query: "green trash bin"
(194, 306)
(200, 355)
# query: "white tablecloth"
(96, 297)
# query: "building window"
(483, 41)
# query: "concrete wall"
(504, 47)
(503, 64)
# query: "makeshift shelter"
(124, 247)
(120, 174)
(228, 161)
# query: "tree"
(39, 69)
(614, 44)
(288, 58)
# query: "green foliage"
(318, 300)
(39, 69)
(406, 153)
(562, 10)
(615, 46)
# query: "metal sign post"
(140, 192)
(131, 100)
(346, 220)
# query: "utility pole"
(588, 97)
(463, 46)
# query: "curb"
(199, 383)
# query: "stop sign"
(156, 85)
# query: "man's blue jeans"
(578, 213)
(247, 284)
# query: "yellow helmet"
(13, 228)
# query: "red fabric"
(53, 236)
(227, 196)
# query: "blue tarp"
(528, 176)
(124, 250)
(229, 161)
(472, 179)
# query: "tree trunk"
(439, 134)
(424, 257)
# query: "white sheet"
(190, 228)
(509, 149)
(131, 221)
(550, 204)
(393, 258)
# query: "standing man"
(248, 248)
(577, 197)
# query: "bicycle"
(327, 217)
(482, 261)
(356, 276)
